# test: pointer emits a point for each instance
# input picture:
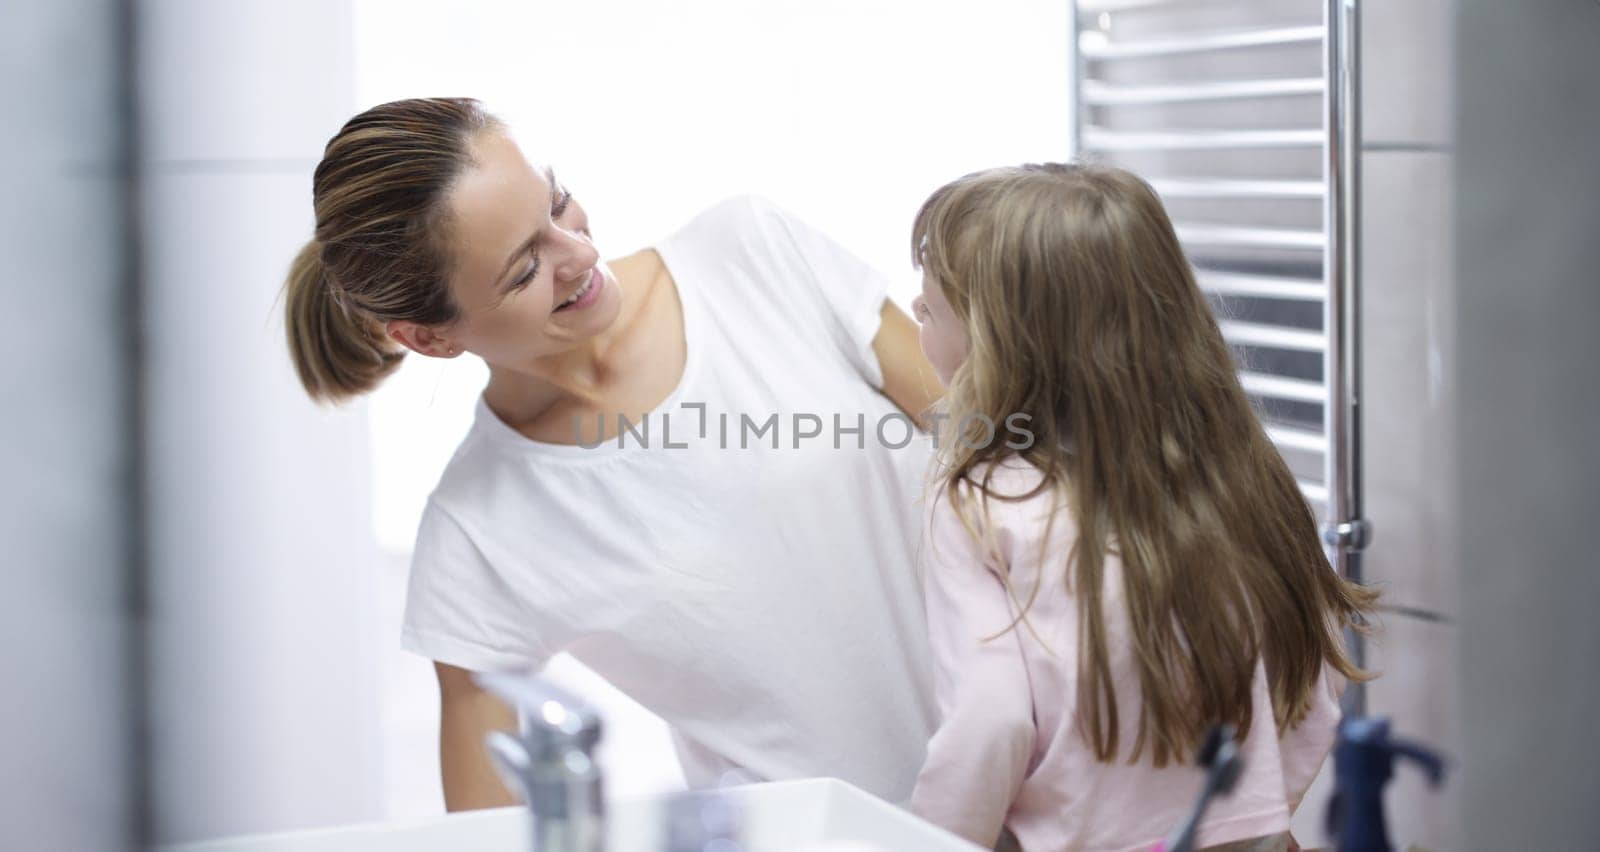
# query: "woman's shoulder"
(749, 221)
(749, 251)
(745, 207)
(464, 479)
(491, 460)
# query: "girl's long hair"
(1084, 315)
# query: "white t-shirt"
(762, 600)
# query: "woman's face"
(943, 335)
(527, 277)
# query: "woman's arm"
(908, 378)
(467, 714)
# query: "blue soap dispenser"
(1363, 763)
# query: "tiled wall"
(1481, 297)
(1409, 395)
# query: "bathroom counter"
(811, 815)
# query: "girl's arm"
(980, 753)
(908, 378)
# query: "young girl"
(1117, 558)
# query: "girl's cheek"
(925, 339)
(944, 351)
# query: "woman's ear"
(421, 339)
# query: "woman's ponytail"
(338, 352)
(380, 253)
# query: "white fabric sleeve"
(849, 291)
(979, 754)
(459, 609)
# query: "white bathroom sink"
(787, 816)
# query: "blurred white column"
(66, 454)
(264, 570)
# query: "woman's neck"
(580, 377)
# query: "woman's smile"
(585, 295)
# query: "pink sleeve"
(979, 754)
(1304, 749)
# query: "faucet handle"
(510, 758)
(552, 719)
(551, 761)
(533, 694)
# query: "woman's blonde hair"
(378, 252)
(1084, 315)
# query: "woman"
(649, 483)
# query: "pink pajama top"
(1007, 751)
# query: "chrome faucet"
(551, 761)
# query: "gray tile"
(1409, 418)
(1408, 405)
(1407, 71)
